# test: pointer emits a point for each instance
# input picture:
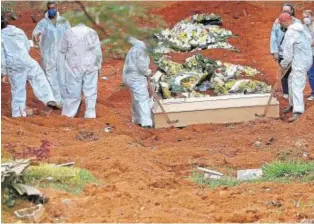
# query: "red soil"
(145, 173)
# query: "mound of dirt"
(307, 119)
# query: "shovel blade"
(260, 115)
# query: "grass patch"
(295, 169)
(287, 171)
(277, 171)
(225, 181)
(69, 179)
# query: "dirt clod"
(87, 136)
(257, 144)
(301, 144)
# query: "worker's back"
(15, 47)
(302, 52)
(82, 48)
(137, 61)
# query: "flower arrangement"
(183, 80)
(197, 31)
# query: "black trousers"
(284, 80)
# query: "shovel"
(273, 90)
(156, 97)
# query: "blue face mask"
(52, 13)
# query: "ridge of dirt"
(144, 174)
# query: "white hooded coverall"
(82, 49)
(135, 73)
(20, 67)
(297, 50)
(52, 62)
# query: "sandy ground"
(145, 174)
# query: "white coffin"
(218, 109)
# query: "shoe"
(59, 106)
(286, 96)
(147, 127)
(287, 110)
(294, 117)
(51, 104)
(311, 98)
(54, 105)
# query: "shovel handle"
(156, 97)
(273, 90)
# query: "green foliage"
(296, 169)
(213, 183)
(229, 84)
(7, 10)
(8, 197)
(67, 179)
(116, 22)
(201, 63)
(10, 177)
(220, 90)
(282, 172)
(171, 68)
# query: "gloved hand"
(4, 79)
(284, 69)
(149, 72)
(276, 56)
(37, 38)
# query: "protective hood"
(11, 31)
(136, 43)
(296, 27)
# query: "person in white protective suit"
(82, 49)
(276, 40)
(297, 51)
(135, 73)
(48, 33)
(20, 67)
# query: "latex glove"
(149, 72)
(276, 57)
(4, 79)
(37, 38)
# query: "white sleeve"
(27, 43)
(39, 28)
(98, 52)
(142, 62)
(3, 61)
(67, 25)
(290, 38)
(63, 45)
(273, 39)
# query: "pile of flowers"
(199, 74)
(199, 31)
